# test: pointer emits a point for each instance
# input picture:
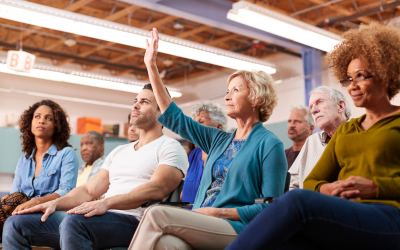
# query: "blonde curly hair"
(262, 91)
(377, 46)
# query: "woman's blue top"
(258, 170)
(58, 173)
(193, 176)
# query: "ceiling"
(63, 48)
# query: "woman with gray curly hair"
(241, 166)
(208, 114)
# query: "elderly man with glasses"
(329, 109)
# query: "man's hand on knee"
(91, 208)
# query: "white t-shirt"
(129, 168)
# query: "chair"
(172, 200)
(271, 199)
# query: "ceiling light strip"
(87, 79)
(66, 98)
(281, 25)
(56, 19)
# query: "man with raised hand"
(133, 174)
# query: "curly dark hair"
(61, 127)
(377, 46)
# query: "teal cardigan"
(258, 170)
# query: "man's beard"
(300, 136)
(145, 122)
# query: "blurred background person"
(208, 114)
(329, 109)
(300, 127)
(92, 152)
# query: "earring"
(254, 109)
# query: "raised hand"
(47, 208)
(151, 49)
(91, 208)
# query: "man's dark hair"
(96, 136)
(148, 86)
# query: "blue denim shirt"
(58, 173)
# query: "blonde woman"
(241, 166)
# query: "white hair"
(335, 95)
(308, 116)
(217, 114)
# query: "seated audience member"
(132, 131)
(132, 175)
(92, 152)
(300, 127)
(49, 168)
(329, 109)
(225, 200)
(207, 114)
(355, 197)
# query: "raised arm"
(162, 97)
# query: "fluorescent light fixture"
(281, 25)
(66, 98)
(82, 78)
(52, 18)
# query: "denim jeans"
(69, 231)
(303, 219)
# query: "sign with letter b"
(20, 61)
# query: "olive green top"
(373, 154)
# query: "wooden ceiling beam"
(287, 13)
(222, 39)
(193, 31)
(158, 22)
(340, 10)
(78, 4)
(123, 13)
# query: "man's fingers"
(147, 43)
(91, 213)
(83, 210)
(155, 31)
(46, 215)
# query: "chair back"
(287, 182)
(175, 196)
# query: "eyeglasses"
(347, 82)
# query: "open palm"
(151, 48)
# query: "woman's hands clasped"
(353, 188)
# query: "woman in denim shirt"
(49, 168)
